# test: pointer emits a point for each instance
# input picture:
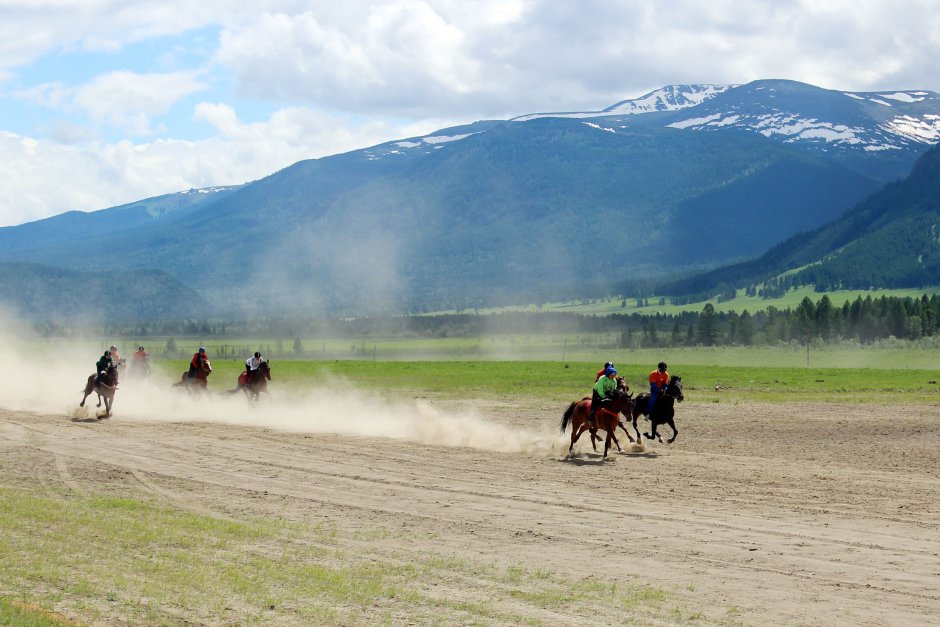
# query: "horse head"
(265, 369)
(674, 388)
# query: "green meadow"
(559, 382)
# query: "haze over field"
(325, 406)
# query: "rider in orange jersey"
(658, 380)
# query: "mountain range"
(681, 181)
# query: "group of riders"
(605, 387)
(140, 364)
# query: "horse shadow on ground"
(88, 419)
(593, 459)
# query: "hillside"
(70, 298)
(542, 207)
(890, 240)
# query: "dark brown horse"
(258, 384)
(104, 385)
(199, 382)
(607, 418)
(664, 411)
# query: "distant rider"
(199, 358)
(251, 366)
(116, 358)
(140, 361)
(659, 378)
(603, 391)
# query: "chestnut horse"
(607, 418)
(104, 385)
(199, 383)
(663, 411)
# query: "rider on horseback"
(141, 362)
(251, 366)
(104, 363)
(659, 378)
(603, 391)
(199, 358)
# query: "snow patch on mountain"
(920, 130)
(669, 98)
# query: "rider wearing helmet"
(199, 358)
(251, 366)
(603, 390)
(104, 363)
(658, 380)
(600, 373)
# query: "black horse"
(663, 411)
(104, 385)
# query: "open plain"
(759, 513)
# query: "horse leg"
(607, 444)
(672, 423)
(575, 434)
(639, 438)
(613, 434)
(620, 424)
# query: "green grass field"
(561, 382)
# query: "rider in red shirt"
(600, 373)
(199, 357)
(658, 380)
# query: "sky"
(104, 102)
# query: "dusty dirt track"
(758, 514)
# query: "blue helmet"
(609, 371)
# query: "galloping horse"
(663, 411)
(104, 385)
(258, 384)
(607, 418)
(199, 383)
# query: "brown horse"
(607, 418)
(258, 384)
(104, 385)
(663, 411)
(198, 383)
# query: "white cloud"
(44, 177)
(345, 75)
(123, 99)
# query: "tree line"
(864, 320)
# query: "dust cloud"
(332, 406)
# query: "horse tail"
(567, 416)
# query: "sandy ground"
(759, 514)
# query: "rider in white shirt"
(251, 366)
